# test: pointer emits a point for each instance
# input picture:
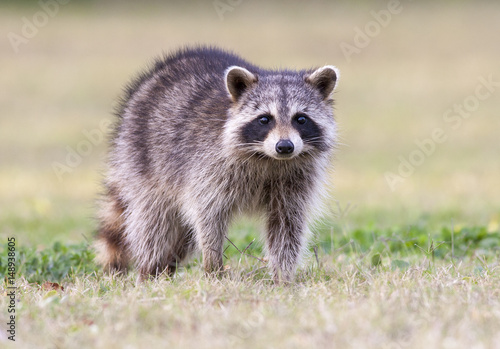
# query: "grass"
(396, 247)
(345, 302)
(372, 289)
(410, 268)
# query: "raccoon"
(203, 136)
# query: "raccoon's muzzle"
(284, 147)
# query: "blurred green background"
(403, 66)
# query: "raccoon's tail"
(110, 244)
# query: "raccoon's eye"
(264, 119)
(301, 119)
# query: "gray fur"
(179, 169)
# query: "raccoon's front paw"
(282, 277)
(151, 273)
(213, 265)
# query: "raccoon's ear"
(324, 79)
(238, 80)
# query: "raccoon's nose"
(284, 146)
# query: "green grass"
(63, 262)
(406, 299)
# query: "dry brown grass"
(346, 304)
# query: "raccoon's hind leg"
(158, 239)
(111, 246)
(180, 248)
(211, 230)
